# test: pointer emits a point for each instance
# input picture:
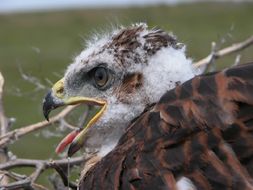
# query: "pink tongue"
(66, 141)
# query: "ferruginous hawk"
(159, 126)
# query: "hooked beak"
(56, 98)
(50, 103)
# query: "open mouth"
(76, 138)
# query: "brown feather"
(202, 129)
(131, 83)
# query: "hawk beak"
(56, 98)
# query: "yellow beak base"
(56, 98)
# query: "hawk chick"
(152, 131)
(124, 72)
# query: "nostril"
(60, 90)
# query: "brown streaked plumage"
(130, 83)
(194, 132)
(202, 130)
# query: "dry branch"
(37, 163)
(3, 130)
(64, 177)
(13, 175)
(24, 184)
(40, 166)
(17, 133)
(3, 119)
(226, 51)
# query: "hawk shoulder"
(201, 130)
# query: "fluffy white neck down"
(185, 183)
(167, 68)
(112, 124)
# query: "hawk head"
(123, 72)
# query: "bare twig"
(17, 133)
(37, 163)
(12, 175)
(64, 177)
(38, 187)
(25, 183)
(226, 51)
(211, 63)
(40, 166)
(39, 169)
(3, 119)
(33, 80)
(57, 182)
(237, 60)
(4, 129)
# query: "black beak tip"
(45, 111)
(48, 105)
(50, 102)
(73, 148)
(46, 117)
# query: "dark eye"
(101, 76)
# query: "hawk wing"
(201, 130)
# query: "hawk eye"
(100, 76)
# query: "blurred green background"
(43, 44)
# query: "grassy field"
(43, 44)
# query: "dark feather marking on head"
(131, 82)
(127, 37)
(126, 42)
(157, 39)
